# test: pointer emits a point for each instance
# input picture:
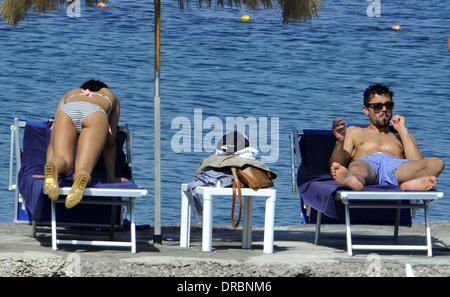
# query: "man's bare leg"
(424, 183)
(419, 175)
(358, 174)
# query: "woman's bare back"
(97, 98)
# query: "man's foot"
(51, 181)
(344, 177)
(424, 183)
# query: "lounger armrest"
(346, 196)
(104, 192)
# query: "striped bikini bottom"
(77, 111)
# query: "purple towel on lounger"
(35, 141)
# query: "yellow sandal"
(51, 181)
(76, 193)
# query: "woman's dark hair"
(377, 89)
(93, 85)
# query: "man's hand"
(339, 129)
(398, 123)
(340, 154)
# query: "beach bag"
(254, 177)
(250, 177)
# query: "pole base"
(157, 239)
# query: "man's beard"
(381, 123)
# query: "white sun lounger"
(127, 197)
(370, 200)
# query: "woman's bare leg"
(59, 153)
(62, 143)
(91, 143)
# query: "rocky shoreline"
(57, 267)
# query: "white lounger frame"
(354, 199)
(128, 196)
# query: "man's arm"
(410, 147)
(109, 152)
(344, 143)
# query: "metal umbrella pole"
(157, 236)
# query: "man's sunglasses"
(379, 106)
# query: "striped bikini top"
(91, 94)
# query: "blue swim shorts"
(384, 166)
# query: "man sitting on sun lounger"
(381, 153)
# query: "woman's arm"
(109, 152)
(60, 105)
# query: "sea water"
(304, 75)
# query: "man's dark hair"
(377, 89)
(93, 85)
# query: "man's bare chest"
(369, 142)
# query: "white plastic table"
(248, 195)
